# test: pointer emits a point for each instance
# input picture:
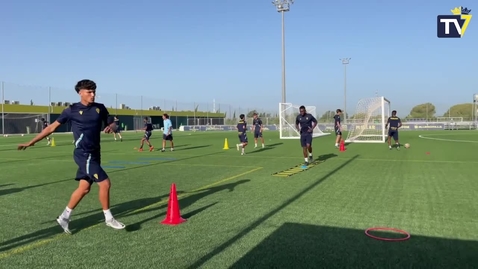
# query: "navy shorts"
(243, 138)
(257, 134)
(394, 134)
(117, 130)
(89, 166)
(337, 131)
(147, 135)
(305, 139)
(168, 137)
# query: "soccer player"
(117, 130)
(167, 132)
(45, 124)
(242, 129)
(148, 131)
(337, 127)
(394, 123)
(257, 129)
(305, 124)
(88, 120)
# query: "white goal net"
(287, 115)
(367, 125)
(13, 123)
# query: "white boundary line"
(447, 140)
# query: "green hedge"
(27, 109)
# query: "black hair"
(42, 119)
(394, 112)
(146, 118)
(242, 116)
(338, 110)
(85, 84)
(255, 114)
(302, 107)
(166, 115)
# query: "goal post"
(22, 123)
(367, 125)
(287, 115)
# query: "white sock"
(336, 144)
(310, 154)
(255, 144)
(240, 145)
(306, 159)
(108, 215)
(66, 213)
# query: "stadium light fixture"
(282, 7)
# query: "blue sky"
(191, 51)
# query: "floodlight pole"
(345, 62)
(282, 7)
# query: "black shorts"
(393, 133)
(257, 134)
(168, 137)
(117, 130)
(337, 131)
(305, 139)
(147, 135)
(89, 166)
(243, 138)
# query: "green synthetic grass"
(239, 215)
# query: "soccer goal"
(367, 125)
(287, 115)
(22, 123)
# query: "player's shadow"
(325, 157)
(78, 223)
(267, 147)
(297, 245)
(194, 147)
(15, 190)
(184, 203)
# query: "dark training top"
(45, 124)
(305, 122)
(242, 127)
(87, 123)
(337, 121)
(257, 124)
(148, 126)
(394, 122)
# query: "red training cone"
(342, 145)
(173, 216)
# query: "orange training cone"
(173, 216)
(342, 145)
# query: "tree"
(460, 110)
(327, 116)
(423, 111)
(251, 113)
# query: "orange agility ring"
(407, 235)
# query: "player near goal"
(305, 124)
(88, 119)
(337, 127)
(257, 129)
(45, 124)
(394, 123)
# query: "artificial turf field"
(239, 215)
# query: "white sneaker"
(263, 145)
(172, 149)
(64, 224)
(113, 223)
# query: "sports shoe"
(113, 223)
(64, 224)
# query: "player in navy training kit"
(88, 119)
(241, 133)
(45, 124)
(117, 130)
(305, 124)
(337, 127)
(257, 129)
(394, 123)
(148, 132)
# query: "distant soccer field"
(239, 214)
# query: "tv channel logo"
(453, 26)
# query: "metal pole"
(3, 109)
(282, 7)
(116, 104)
(283, 59)
(50, 108)
(345, 62)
